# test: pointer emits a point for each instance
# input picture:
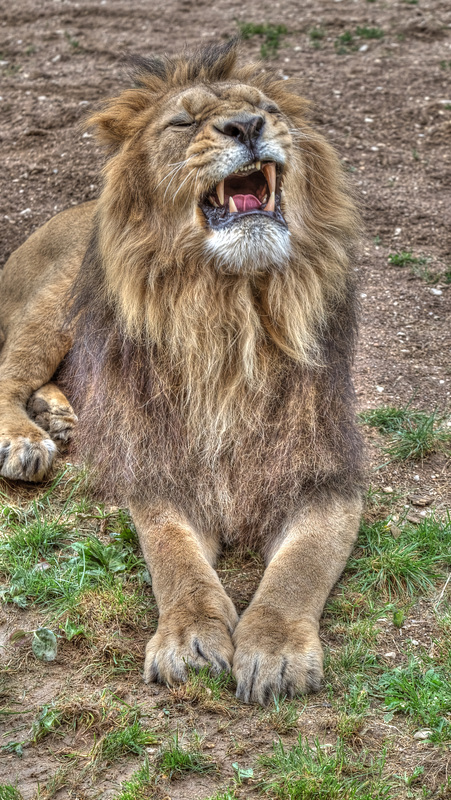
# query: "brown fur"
(216, 398)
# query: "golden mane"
(218, 335)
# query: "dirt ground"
(385, 104)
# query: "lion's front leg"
(197, 618)
(277, 647)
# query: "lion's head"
(222, 232)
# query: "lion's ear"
(121, 117)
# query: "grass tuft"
(402, 565)
(131, 740)
(174, 760)
(307, 772)
(9, 792)
(422, 694)
(272, 36)
(413, 434)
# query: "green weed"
(422, 694)
(307, 772)
(272, 36)
(445, 64)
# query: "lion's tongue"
(245, 202)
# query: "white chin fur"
(252, 244)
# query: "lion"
(200, 317)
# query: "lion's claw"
(168, 658)
(266, 667)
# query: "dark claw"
(199, 650)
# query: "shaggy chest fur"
(245, 474)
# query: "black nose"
(246, 131)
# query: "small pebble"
(435, 291)
(422, 734)
(388, 489)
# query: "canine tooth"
(270, 175)
(258, 165)
(220, 192)
(232, 207)
(265, 198)
(271, 204)
(213, 201)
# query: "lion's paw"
(23, 459)
(179, 644)
(52, 412)
(279, 661)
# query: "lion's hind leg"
(49, 408)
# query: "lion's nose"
(246, 131)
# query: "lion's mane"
(226, 395)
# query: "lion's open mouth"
(253, 189)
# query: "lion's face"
(228, 146)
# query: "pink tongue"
(245, 202)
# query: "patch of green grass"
(413, 434)
(404, 565)
(352, 663)
(284, 716)
(131, 740)
(385, 418)
(445, 64)
(41, 563)
(424, 694)
(312, 772)
(174, 759)
(370, 33)
(344, 43)
(139, 787)
(406, 258)
(9, 792)
(73, 42)
(316, 36)
(272, 35)
(420, 435)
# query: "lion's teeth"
(220, 192)
(270, 175)
(265, 198)
(232, 207)
(258, 165)
(213, 201)
(271, 204)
